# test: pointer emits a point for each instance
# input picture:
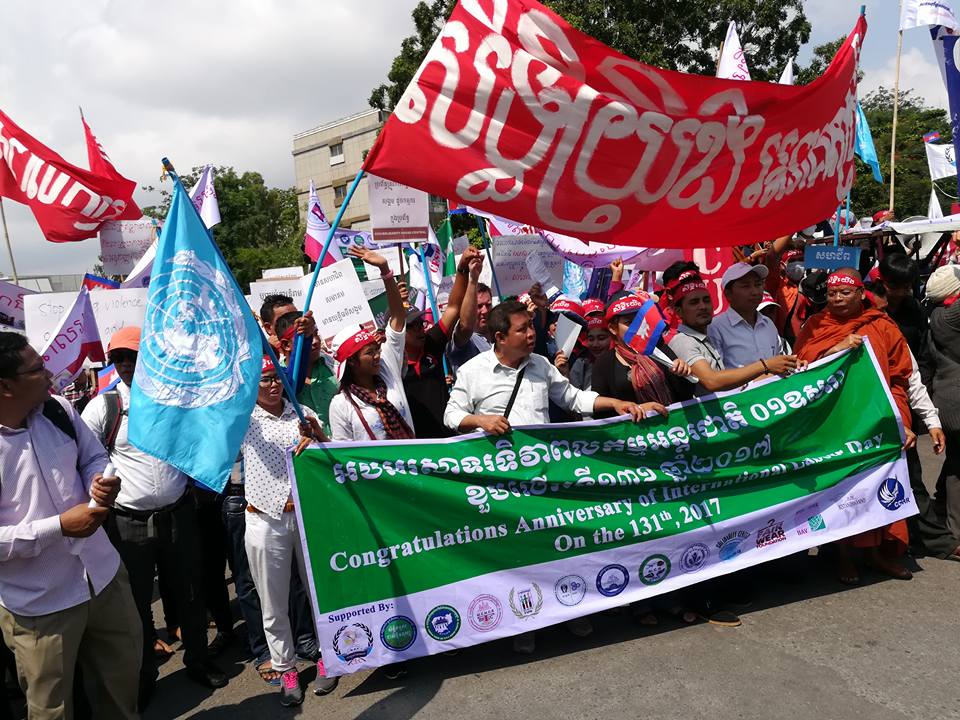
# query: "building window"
(336, 153)
(339, 194)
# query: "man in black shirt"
(424, 379)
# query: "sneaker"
(325, 685)
(581, 626)
(525, 643)
(290, 691)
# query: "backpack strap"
(115, 413)
(54, 412)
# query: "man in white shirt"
(64, 596)
(511, 384)
(742, 334)
(482, 393)
(154, 517)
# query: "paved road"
(809, 648)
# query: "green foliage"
(914, 120)
(658, 32)
(260, 226)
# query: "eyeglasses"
(119, 356)
(270, 380)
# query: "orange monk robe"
(824, 330)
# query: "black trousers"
(174, 538)
(928, 528)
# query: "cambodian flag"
(931, 136)
(95, 282)
(107, 379)
(645, 330)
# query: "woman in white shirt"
(272, 537)
(372, 404)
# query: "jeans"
(305, 640)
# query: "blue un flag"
(200, 355)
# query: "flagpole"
(298, 343)
(284, 380)
(428, 281)
(6, 236)
(896, 107)
(487, 242)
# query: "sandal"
(683, 614)
(268, 674)
(161, 650)
(888, 566)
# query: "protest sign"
(566, 335)
(11, 306)
(828, 257)
(338, 300)
(113, 309)
(568, 135)
(123, 242)
(418, 547)
(281, 273)
(398, 214)
(510, 253)
(291, 287)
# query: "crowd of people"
(77, 577)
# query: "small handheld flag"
(107, 379)
(95, 282)
(931, 136)
(646, 329)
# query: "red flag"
(515, 112)
(70, 203)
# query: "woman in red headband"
(842, 326)
(372, 404)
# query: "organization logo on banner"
(398, 633)
(694, 557)
(570, 590)
(730, 545)
(891, 494)
(654, 569)
(484, 613)
(770, 534)
(522, 601)
(443, 622)
(853, 504)
(809, 520)
(612, 580)
(353, 643)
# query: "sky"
(231, 83)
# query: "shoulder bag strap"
(516, 389)
(366, 425)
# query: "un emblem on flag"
(194, 338)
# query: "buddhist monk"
(843, 325)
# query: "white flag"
(733, 63)
(204, 198)
(787, 77)
(942, 161)
(934, 210)
(139, 277)
(75, 339)
(921, 13)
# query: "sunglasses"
(119, 356)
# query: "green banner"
(419, 546)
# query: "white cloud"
(227, 82)
(918, 72)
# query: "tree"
(914, 120)
(675, 34)
(260, 226)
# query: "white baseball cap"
(740, 269)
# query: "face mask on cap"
(795, 271)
